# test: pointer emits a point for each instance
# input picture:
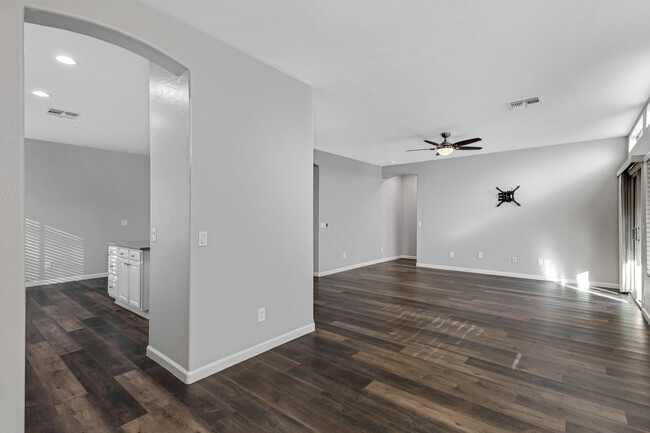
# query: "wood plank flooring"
(397, 349)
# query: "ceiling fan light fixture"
(444, 151)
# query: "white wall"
(169, 281)
(76, 198)
(252, 140)
(568, 215)
(363, 211)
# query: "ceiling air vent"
(517, 104)
(54, 112)
(525, 103)
(69, 115)
(62, 113)
(532, 101)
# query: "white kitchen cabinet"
(128, 276)
(135, 284)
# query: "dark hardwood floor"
(397, 349)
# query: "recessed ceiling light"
(41, 94)
(66, 60)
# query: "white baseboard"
(168, 364)
(66, 279)
(228, 361)
(361, 265)
(512, 275)
(644, 313)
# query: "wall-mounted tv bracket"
(507, 196)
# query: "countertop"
(134, 245)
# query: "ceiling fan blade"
(465, 142)
(470, 148)
(431, 142)
(416, 150)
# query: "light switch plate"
(124, 223)
(203, 239)
(324, 225)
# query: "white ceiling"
(109, 88)
(387, 74)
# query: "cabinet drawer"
(123, 252)
(112, 251)
(135, 255)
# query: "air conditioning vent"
(54, 112)
(70, 115)
(533, 100)
(515, 105)
(62, 113)
(525, 103)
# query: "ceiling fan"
(446, 147)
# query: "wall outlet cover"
(451, 254)
(480, 254)
(124, 223)
(261, 314)
(514, 259)
(540, 262)
(547, 262)
(345, 254)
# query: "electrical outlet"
(48, 264)
(154, 235)
(345, 254)
(419, 223)
(540, 262)
(480, 254)
(382, 248)
(451, 254)
(547, 262)
(261, 314)
(124, 223)
(514, 259)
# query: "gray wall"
(252, 174)
(76, 198)
(408, 215)
(12, 220)
(170, 215)
(364, 212)
(568, 214)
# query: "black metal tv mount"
(507, 196)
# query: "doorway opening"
(163, 222)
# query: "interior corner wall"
(76, 198)
(568, 212)
(363, 212)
